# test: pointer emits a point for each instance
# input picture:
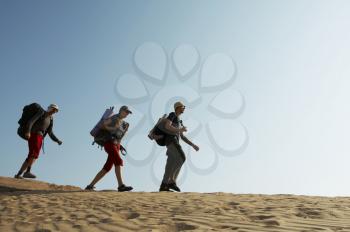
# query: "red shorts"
(34, 143)
(113, 156)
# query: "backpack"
(28, 113)
(98, 134)
(157, 133)
(101, 136)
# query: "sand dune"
(14, 185)
(38, 206)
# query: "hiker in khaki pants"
(176, 156)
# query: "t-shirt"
(41, 123)
(175, 123)
(118, 133)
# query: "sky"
(278, 70)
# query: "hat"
(125, 108)
(53, 106)
(178, 104)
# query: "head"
(179, 108)
(52, 109)
(124, 111)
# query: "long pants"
(175, 160)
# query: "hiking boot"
(124, 188)
(90, 188)
(29, 175)
(174, 187)
(164, 188)
(18, 176)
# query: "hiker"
(112, 131)
(34, 130)
(176, 156)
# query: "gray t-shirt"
(118, 133)
(41, 124)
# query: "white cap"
(178, 104)
(52, 106)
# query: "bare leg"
(27, 163)
(118, 173)
(98, 177)
(28, 169)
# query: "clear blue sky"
(291, 68)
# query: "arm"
(186, 140)
(173, 129)
(122, 149)
(52, 135)
(125, 130)
(106, 125)
(54, 138)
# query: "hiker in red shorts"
(114, 129)
(36, 129)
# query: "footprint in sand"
(76, 226)
(36, 206)
(266, 219)
(262, 217)
(58, 218)
(229, 227)
(271, 223)
(184, 226)
(133, 215)
(314, 229)
(309, 212)
(91, 219)
(106, 220)
(233, 204)
(74, 216)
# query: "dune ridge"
(42, 207)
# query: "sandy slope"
(12, 185)
(64, 208)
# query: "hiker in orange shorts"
(112, 131)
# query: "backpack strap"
(49, 128)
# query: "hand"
(195, 147)
(126, 127)
(183, 129)
(27, 135)
(59, 142)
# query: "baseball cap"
(53, 106)
(125, 108)
(178, 104)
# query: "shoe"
(174, 187)
(90, 188)
(18, 176)
(164, 188)
(29, 175)
(124, 188)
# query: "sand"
(38, 206)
